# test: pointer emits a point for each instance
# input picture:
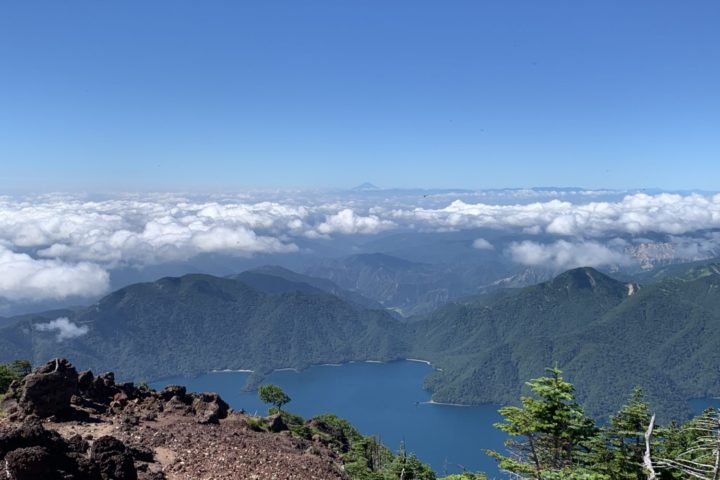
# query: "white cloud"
(562, 254)
(64, 327)
(482, 244)
(348, 222)
(634, 214)
(240, 240)
(25, 278)
(149, 231)
(58, 246)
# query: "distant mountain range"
(608, 335)
(412, 288)
(276, 279)
(401, 285)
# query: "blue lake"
(699, 405)
(383, 399)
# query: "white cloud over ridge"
(561, 255)
(60, 246)
(64, 327)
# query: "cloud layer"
(24, 278)
(59, 246)
(563, 254)
(634, 214)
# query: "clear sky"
(149, 95)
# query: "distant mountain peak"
(586, 278)
(366, 187)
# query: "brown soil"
(185, 449)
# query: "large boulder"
(103, 388)
(30, 463)
(209, 407)
(48, 389)
(29, 451)
(29, 433)
(113, 459)
(171, 391)
(85, 381)
(276, 423)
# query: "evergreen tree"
(408, 467)
(548, 431)
(273, 395)
(15, 370)
(617, 451)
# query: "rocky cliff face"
(61, 424)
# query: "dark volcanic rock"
(113, 459)
(209, 407)
(30, 463)
(29, 433)
(103, 388)
(29, 451)
(77, 444)
(276, 423)
(48, 389)
(85, 381)
(142, 421)
(142, 453)
(171, 391)
(129, 389)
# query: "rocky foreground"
(58, 424)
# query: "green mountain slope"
(409, 288)
(196, 323)
(489, 343)
(275, 279)
(608, 335)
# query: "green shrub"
(257, 424)
(288, 418)
(465, 476)
(9, 372)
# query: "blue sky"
(227, 95)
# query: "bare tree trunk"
(533, 453)
(716, 467)
(647, 460)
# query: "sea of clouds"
(61, 246)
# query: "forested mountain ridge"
(407, 287)
(276, 279)
(196, 323)
(609, 336)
